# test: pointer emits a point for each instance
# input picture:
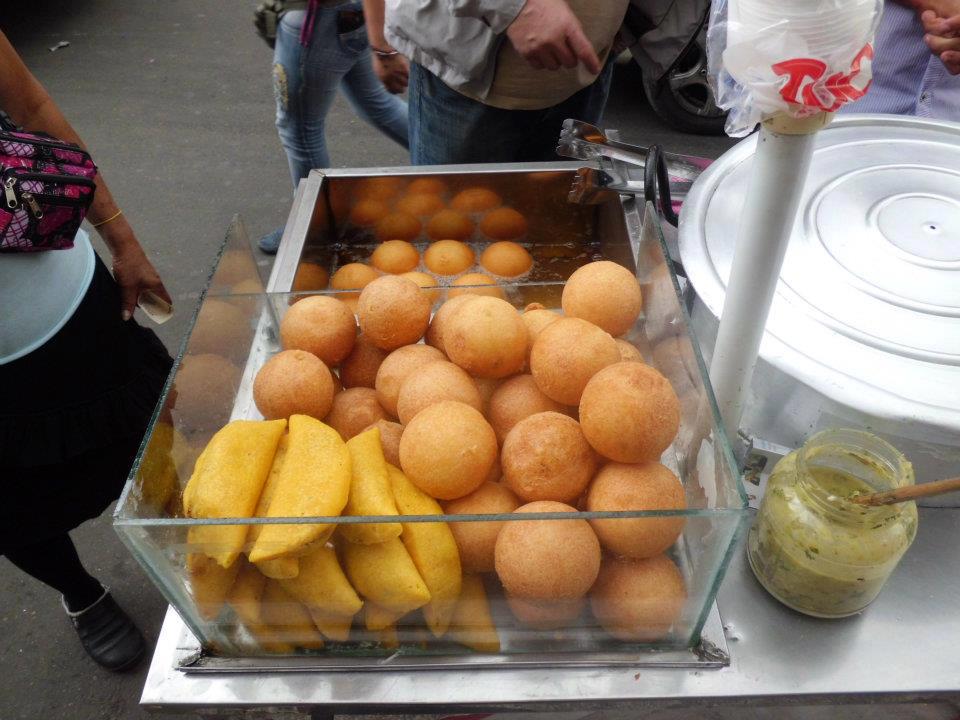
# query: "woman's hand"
(393, 71)
(133, 273)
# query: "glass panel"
(285, 602)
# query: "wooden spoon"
(910, 492)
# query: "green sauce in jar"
(815, 550)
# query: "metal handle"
(657, 181)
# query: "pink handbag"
(47, 188)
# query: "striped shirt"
(907, 78)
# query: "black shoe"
(108, 634)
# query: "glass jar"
(811, 547)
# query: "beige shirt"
(464, 43)
(517, 85)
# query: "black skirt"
(72, 415)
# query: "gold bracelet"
(112, 217)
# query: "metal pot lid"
(867, 310)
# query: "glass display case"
(358, 588)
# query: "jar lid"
(867, 310)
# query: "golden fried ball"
(359, 368)
(367, 213)
(486, 338)
(448, 257)
(434, 334)
(628, 351)
(475, 199)
(206, 387)
(547, 559)
(222, 328)
(546, 457)
(566, 354)
(506, 259)
(463, 285)
(449, 224)
(354, 410)
(647, 486)
(293, 382)
(434, 383)
(503, 224)
(390, 433)
(487, 386)
(310, 276)
(420, 204)
(393, 312)
(477, 540)
(396, 367)
(395, 256)
(516, 399)
(629, 412)
(322, 325)
(397, 226)
(353, 276)
(430, 185)
(447, 450)
(378, 188)
(536, 319)
(638, 600)
(546, 614)
(427, 283)
(604, 293)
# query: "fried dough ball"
(546, 457)
(566, 354)
(475, 199)
(628, 351)
(486, 337)
(310, 276)
(359, 368)
(647, 486)
(629, 412)
(293, 382)
(322, 325)
(390, 433)
(427, 283)
(447, 450)
(503, 224)
(460, 286)
(477, 540)
(546, 614)
(393, 312)
(431, 185)
(438, 324)
(506, 259)
(434, 383)
(397, 226)
(515, 399)
(353, 410)
(367, 213)
(604, 293)
(395, 369)
(449, 224)
(419, 204)
(547, 559)
(395, 257)
(448, 257)
(638, 600)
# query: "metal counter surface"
(903, 648)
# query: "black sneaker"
(108, 634)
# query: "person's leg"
(586, 104)
(106, 632)
(55, 562)
(447, 127)
(369, 98)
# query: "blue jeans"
(447, 127)
(305, 81)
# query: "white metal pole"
(780, 165)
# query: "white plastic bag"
(798, 57)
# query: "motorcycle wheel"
(683, 97)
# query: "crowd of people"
(486, 80)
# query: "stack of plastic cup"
(827, 27)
